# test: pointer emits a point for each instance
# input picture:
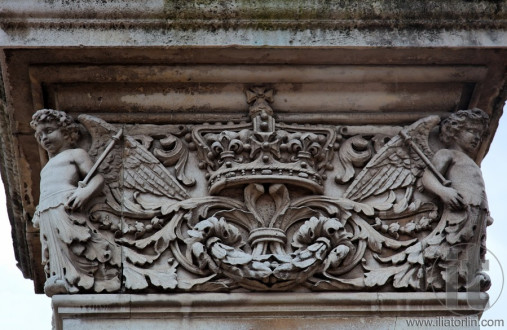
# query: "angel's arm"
(442, 160)
(83, 193)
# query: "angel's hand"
(453, 198)
(77, 199)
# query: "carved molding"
(237, 14)
(267, 206)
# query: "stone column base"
(420, 310)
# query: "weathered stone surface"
(115, 92)
(151, 67)
(251, 205)
(247, 311)
(254, 23)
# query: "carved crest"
(264, 151)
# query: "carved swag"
(263, 206)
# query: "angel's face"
(469, 138)
(51, 138)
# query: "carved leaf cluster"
(269, 226)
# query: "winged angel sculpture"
(449, 257)
(124, 215)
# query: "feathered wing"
(396, 165)
(143, 172)
(129, 167)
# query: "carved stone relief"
(261, 205)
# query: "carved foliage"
(266, 223)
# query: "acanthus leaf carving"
(354, 152)
(175, 153)
(261, 219)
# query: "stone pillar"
(251, 165)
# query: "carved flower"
(218, 229)
(329, 230)
(216, 243)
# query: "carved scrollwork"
(354, 152)
(261, 218)
(174, 152)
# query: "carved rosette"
(264, 206)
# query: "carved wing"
(143, 172)
(396, 165)
(129, 165)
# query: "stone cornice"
(155, 23)
(429, 13)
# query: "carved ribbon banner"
(267, 206)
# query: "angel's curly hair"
(451, 125)
(67, 124)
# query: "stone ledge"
(396, 12)
(253, 310)
(256, 23)
(58, 35)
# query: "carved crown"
(263, 150)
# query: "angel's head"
(464, 129)
(54, 130)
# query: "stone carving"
(261, 205)
(75, 256)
